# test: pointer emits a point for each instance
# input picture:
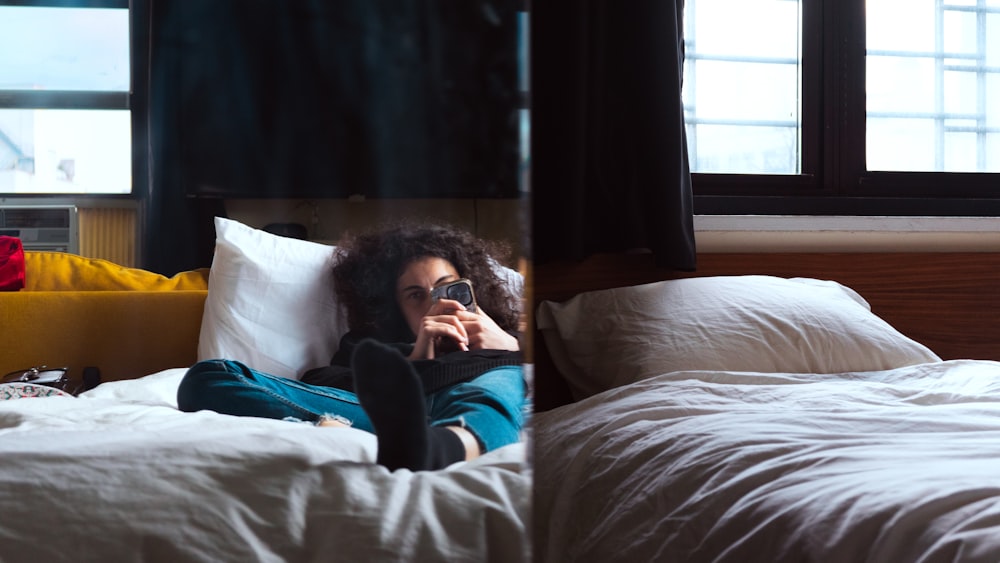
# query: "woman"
(435, 382)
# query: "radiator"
(109, 233)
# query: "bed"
(118, 473)
(766, 409)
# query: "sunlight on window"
(56, 57)
(933, 85)
(64, 49)
(742, 85)
(65, 151)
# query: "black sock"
(444, 448)
(390, 391)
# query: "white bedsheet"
(119, 474)
(901, 465)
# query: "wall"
(759, 233)
(105, 229)
(109, 227)
(327, 220)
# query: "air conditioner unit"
(42, 227)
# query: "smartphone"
(460, 290)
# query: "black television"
(336, 98)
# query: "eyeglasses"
(41, 375)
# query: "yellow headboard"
(78, 312)
(126, 334)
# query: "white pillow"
(270, 302)
(604, 339)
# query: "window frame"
(833, 178)
(136, 99)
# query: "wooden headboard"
(949, 302)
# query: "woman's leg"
(393, 396)
(489, 409)
(230, 387)
(492, 407)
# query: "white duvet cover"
(118, 474)
(889, 466)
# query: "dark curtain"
(324, 99)
(609, 150)
(178, 231)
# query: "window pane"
(906, 25)
(992, 41)
(65, 151)
(909, 143)
(956, 83)
(744, 149)
(932, 85)
(960, 33)
(728, 27)
(64, 49)
(905, 84)
(993, 104)
(742, 84)
(758, 84)
(963, 153)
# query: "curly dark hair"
(369, 264)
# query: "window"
(67, 102)
(877, 107)
(741, 86)
(933, 89)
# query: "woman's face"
(413, 288)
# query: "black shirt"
(448, 369)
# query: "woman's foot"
(391, 393)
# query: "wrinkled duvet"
(899, 465)
(119, 474)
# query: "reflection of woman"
(436, 383)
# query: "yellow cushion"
(61, 271)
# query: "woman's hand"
(447, 327)
(440, 330)
(483, 333)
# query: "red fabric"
(11, 264)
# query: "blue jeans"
(490, 406)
